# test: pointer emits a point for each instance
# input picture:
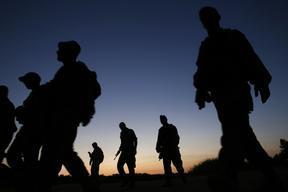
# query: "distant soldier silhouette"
(29, 139)
(128, 150)
(71, 96)
(167, 147)
(227, 66)
(96, 158)
(7, 121)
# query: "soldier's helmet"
(122, 125)
(94, 144)
(209, 14)
(30, 78)
(71, 47)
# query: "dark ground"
(249, 181)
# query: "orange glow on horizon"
(142, 166)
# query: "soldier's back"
(128, 138)
(225, 56)
(169, 136)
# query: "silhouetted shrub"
(206, 167)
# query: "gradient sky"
(144, 52)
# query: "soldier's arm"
(258, 74)
(135, 141)
(158, 143)
(121, 144)
(135, 145)
(200, 79)
(177, 137)
(90, 155)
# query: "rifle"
(118, 152)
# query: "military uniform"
(66, 106)
(96, 157)
(167, 147)
(29, 139)
(128, 151)
(70, 101)
(226, 65)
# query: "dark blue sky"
(144, 52)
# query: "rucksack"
(93, 91)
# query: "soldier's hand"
(256, 91)
(200, 99)
(201, 104)
(264, 93)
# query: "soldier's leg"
(231, 154)
(120, 165)
(167, 166)
(50, 164)
(69, 157)
(178, 163)
(167, 170)
(94, 169)
(67, 126)
(74, 165)
(260, 159)
(97, 169)
(131, 163)
(31, 152)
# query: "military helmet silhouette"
(163, 117)
(70, 46)
(94, 144)
(30, 77)
(208, 14)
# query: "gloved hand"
(264, 92)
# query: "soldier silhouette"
(71, 95)
(96, 158)
(29, 139)
(167, 147)
(226, 67)
(7, 121)
(128, 150)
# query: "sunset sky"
(144, 53)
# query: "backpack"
(92, 92)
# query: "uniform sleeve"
(257, 72)
(121, 144)
(200, 77)
(176, 136)
(135, 139)
(159, 142)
